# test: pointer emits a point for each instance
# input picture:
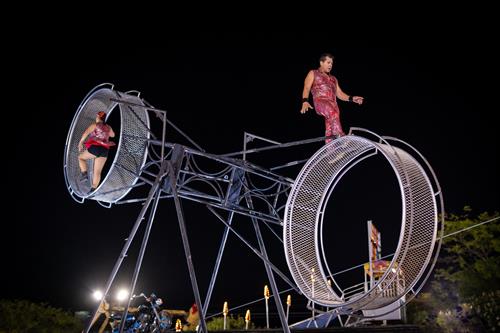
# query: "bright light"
(122, 295)
(97, 295)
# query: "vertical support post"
(288, 304)
(245, 146)
(173, 173)
(266, 298)
(163, 136)
(370, 251)
(269, 271)
(187, 251)
(313, 310)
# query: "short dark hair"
(325, 55)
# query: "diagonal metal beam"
(138, 264)
(257, 252)
(217, 263)
(173, 167)
(272, 281)
(123, 254)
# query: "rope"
(358, 266)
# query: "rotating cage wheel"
(303, 242)
(131, 150)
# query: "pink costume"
(99, 137)
(324, 90)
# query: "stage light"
(97, 295)
(122, 295)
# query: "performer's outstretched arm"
(344, 97)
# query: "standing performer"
(325, 90)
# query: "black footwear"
(83, 176)
(91, 190)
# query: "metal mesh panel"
(131, 151)
(302, 217)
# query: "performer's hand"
(80, 147)
(358, 100)
(305, 107)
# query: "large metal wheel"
(417, 247)
(131, 152)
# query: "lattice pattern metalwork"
(203, 181)
(303, 215)
(131, 151)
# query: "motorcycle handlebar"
(153, 297)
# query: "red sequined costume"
(99, 137)
(324, 90)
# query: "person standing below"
(325, 90)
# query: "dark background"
(436, 92)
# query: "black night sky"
(432, 92)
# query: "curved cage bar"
(440, 222)
(303, 224)
(131, 151)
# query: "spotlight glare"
(97, 295)
(122, 295)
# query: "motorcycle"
(146, 318)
